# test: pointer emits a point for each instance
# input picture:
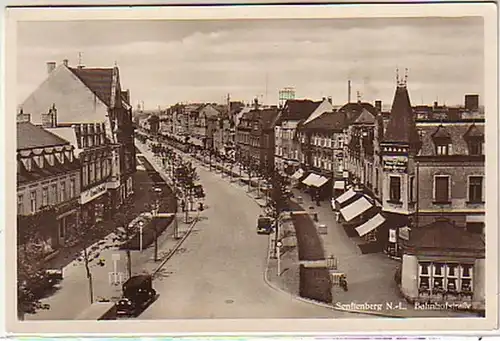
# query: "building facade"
(48, 178)
(286, 144)
(91, 95)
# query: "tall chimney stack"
(330, 99)
(349, 91)
(378, 105)
(50, 67)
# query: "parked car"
(265, 225)
(199, 192)
(138, 294)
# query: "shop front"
(66, 218)
(95, 203)
(444, 265)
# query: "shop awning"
(310, 179)
(345, 196)
(339, 184)
(356, 208)
(370, 225)
(298, 174)
(474, 218)
(319, 181)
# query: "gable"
(365, 117)
(325, 106)
(74, 101)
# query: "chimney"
(378, 105)
(256, 103)
(471, 102)
(435, 104)
(80, 66)
(330, 100)
(349, 91)
(65, 62)
(50, 67)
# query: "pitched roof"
(443, 234)
(334, 121)
(31, 136)
(456, 132)
(474, 131)
(268, 117)
(355, 109)
(365, 117)
(298, 109)
(401, 127)
(98, 80)
(441, 132)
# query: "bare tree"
(126, 231)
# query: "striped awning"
(339, 184)
(356, 208)
(345, 196)
(310, 179)
(370, 225)
(298, 174)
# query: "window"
(33, 202)
(443, 149)
(411, 189)
(62, 229)
(72, 188)
(63, 191)
(475, 188)
(441, 189)
(85, 175)
(53, 194)
(450, 278)
(395, 189)
(98, 174)
(90, 140)
(91, 172)
(475, 148)
(20, 204)
(45, 196)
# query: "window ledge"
(474, 202)
(395, 202)
(441, 202)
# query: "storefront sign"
(395, 164)
(92, 193)
(392, 236)
(404, 233)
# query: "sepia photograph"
(270, 164)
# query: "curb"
(176, 247)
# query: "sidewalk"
(74, 288)
(370, 276)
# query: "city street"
(221, 272)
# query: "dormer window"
(50, 159)
(60, 157)
(475, 140)
(39, 160)
(442, 141)
(27, 162)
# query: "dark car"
(198, 191)
(264, 225)
(138, 294)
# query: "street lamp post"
(141, 226)
(278, 255)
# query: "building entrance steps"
(370, 277)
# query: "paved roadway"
(221, 272)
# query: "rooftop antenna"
(358, 94)
(349, 91)
(79, 58)
(267, 81)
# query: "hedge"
(315, 284)
(168, 205)
(308, 240)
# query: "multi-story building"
(48, 179)
(94, 152)
(321, 150)
(286, 144)
(91, 95)
(255, 137)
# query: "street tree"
(122, 219)
(280, 197)
(31, 268)
(186, 177)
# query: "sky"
(164, 62)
